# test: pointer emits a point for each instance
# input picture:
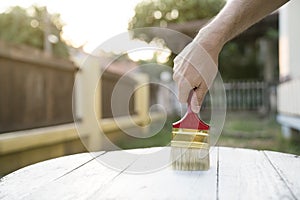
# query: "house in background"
(289, 57)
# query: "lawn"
(250, 130)
(241, 129)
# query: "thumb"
(198, 97)
(184, 88)
(195, 106)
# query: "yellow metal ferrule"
(184, 144)
(190, 135)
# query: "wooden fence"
(35, 90)
(244, 95)
(126, 86)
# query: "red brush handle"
(191, 120)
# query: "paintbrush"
(190, 142)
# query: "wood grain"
(287, 166)
(163, 184)
(83, 182)
(247, 174)
(234, 174)
(34, 94)
(29, 179)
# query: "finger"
(176, 77)
(194, 104)
(177, 71)
(177, 63)
(184, 88)
(180, 67)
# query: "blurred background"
(46, 45)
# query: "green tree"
(28, 26)
(239, 58)
(162, 12)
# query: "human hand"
(194, 68)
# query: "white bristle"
(193, 159)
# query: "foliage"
(160, 13)
(21, 26)
(251, 130)
(242, 129)
(239, 61)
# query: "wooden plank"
(234, 174)
(27, 54)
(83, 182)
(162, 184)
(29, 95)
(28, 139)
(94, 181)
(287, 105)
(287, 166)
(248, 174)
(29, 179)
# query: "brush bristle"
(193, 159)
(190, 149)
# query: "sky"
(87, 22)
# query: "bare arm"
(233, 19)
(196, 66)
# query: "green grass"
(250, 130)
(162, 138)
(241, 129)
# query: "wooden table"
(234, 174)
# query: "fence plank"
(34, 93)
(245, 95)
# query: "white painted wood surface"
(234, 174)
(248, 174)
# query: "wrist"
(211, 41)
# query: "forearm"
(194, 67)
(234, 18)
